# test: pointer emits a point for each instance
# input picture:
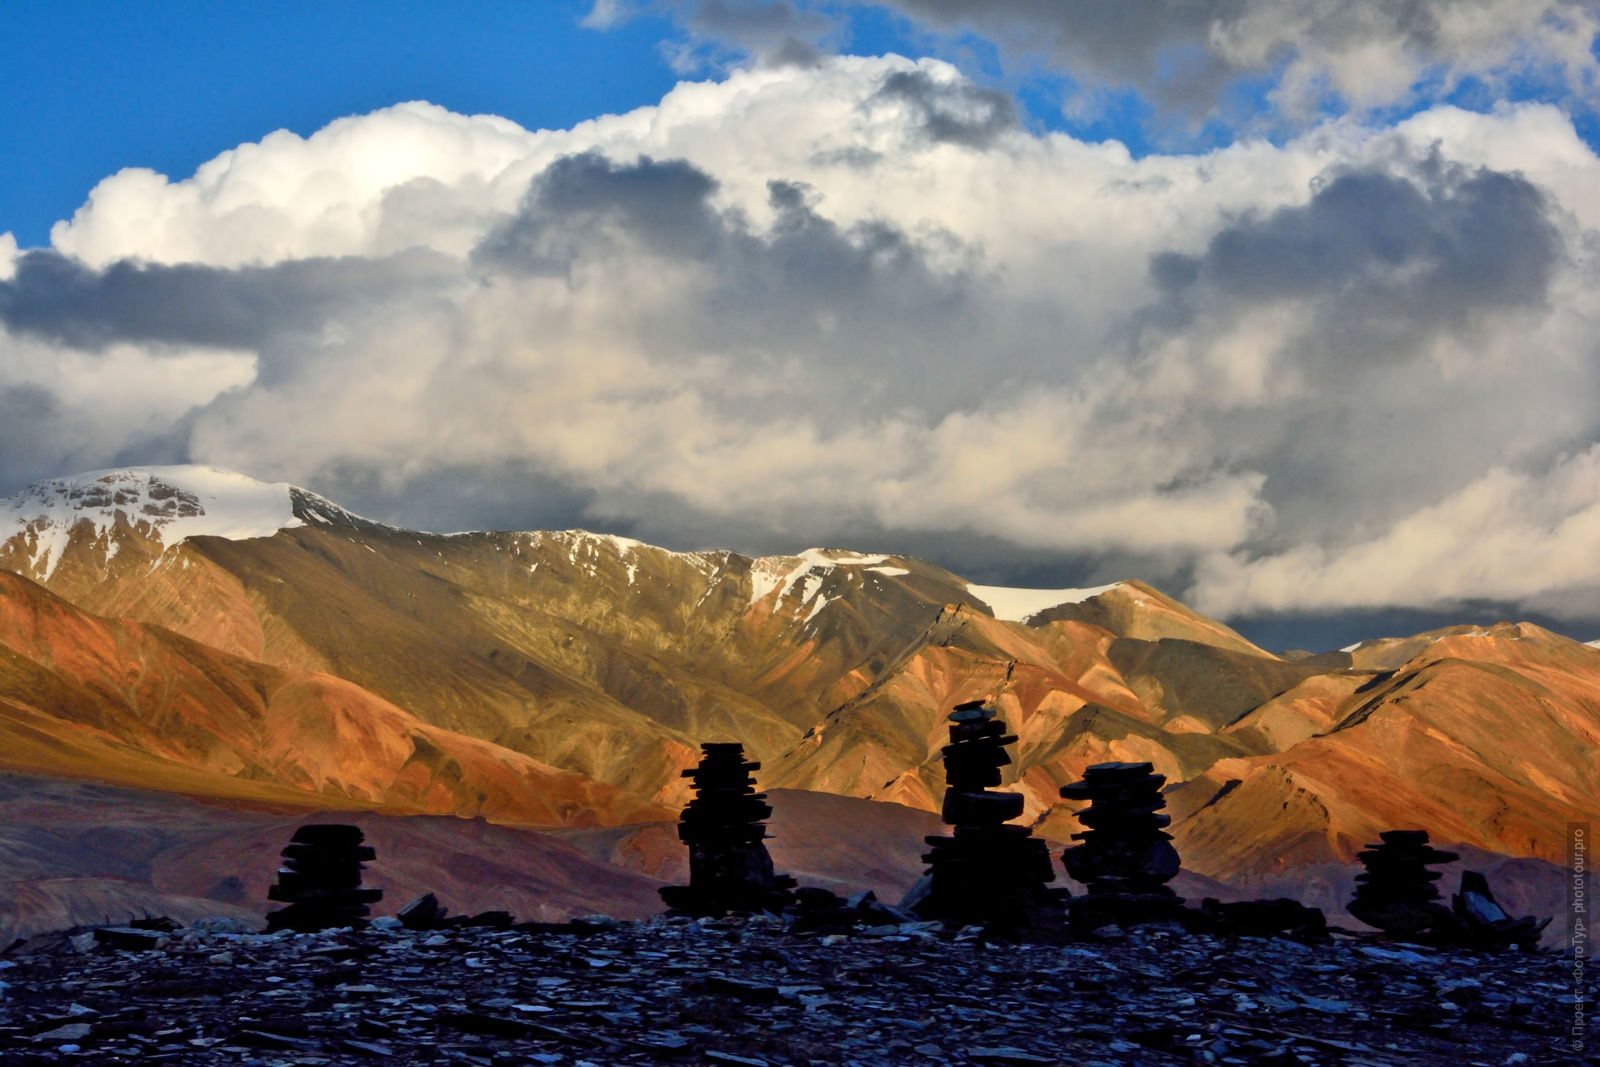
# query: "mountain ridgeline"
(190, 630)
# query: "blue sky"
(90, 88)
(1318, 345)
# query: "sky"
(1288, 307)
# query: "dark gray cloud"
(585, 203)
(58, 298)
(507, 494)
(1153, 44)
(804, 286)
(1189, 56)
(589, 207)
(792, 52)
(1375, 270)
(764, 27)
(954, 112)
(1379, 251)
(1456, 243)
(1186, 53)
(720, 32)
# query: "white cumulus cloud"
(1519, 536)
(857, 298)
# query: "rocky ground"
(751, 992)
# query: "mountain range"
(246, 650)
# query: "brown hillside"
(137, 705)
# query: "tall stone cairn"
(1126, 857)
(986, 872)
(729, 867)
(1396, 892)
(320, 880)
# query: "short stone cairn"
(320, 880)
(730, 869)
(1126, 856)
(1396, 893)
(1485, 924)
(986, 872)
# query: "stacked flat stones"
(1126, 856)
(986, 872)
(729, 867)
(320, 880)
(1396, 892)
(1485, 924)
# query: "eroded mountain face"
(187, 629)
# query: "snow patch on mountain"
(167, 504)
(1018, 605)
(584, 550)
(621, 547)
(809, 567)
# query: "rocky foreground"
(748, 991)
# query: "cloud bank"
(1280, 62)
(1313, 53)
(854, 300)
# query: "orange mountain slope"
(294, 649)
(85, 696)
(1490, 739)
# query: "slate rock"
(424, 913)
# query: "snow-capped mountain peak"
(167, 504)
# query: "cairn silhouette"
(320, 880)
(1126, 856)
(987, 871)
(1396, 892)
(730, 869)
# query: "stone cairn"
(729, 868)
(986, 872)
(1126, 857)
(1396, 892)
(1484, 924)
(320, 880)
